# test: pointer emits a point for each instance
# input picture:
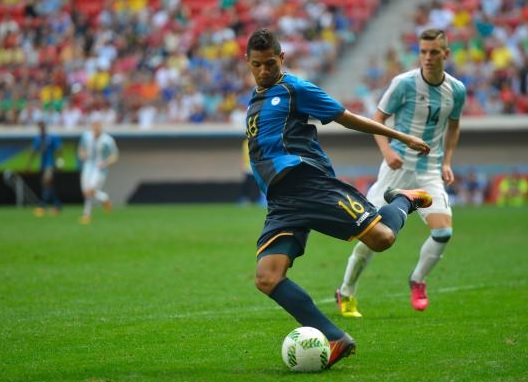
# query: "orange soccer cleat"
(340, 349)
(418, 198)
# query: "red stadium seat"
(196, 6)
(90, 7)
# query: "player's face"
(97, 128)
(432, 57)
(265, 66)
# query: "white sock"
(101, 196)
(357, 262)
(430, 254)
(87, 211)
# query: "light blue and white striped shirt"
(98, 150)
(422, 110)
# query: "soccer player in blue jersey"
(49, 146)
(426, 102)
(300, 185)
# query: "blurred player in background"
(472, 188)
(426, 102)
(302, 190)
(97, 151)
(49, 146)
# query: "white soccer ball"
(305, 350)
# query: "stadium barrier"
(208, 156)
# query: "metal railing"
(24, 195)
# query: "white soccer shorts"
(406, 179)
(92, 179)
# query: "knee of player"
(442, 235)
(89, 193)
(382, 240)
(266, 281)
(385, 242)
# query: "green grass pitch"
(166, 293)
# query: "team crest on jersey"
(275, 101)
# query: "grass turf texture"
(165, 293)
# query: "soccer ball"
(305, 350)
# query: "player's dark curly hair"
(263, 39)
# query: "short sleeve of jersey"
(393, 97)
(459, 95)
(318, 104)
(112, 145)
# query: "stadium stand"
(489, 45)
(147, 62)
(175, 67)
(156, 61)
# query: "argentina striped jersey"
(423, 110)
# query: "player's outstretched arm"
(393, 159)
(367, 125)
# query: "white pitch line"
(256, 309)
(445, 290)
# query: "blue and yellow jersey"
(280, 135)
(246, 164)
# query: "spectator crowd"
(169, 61)
(148, 62)
(489, 54)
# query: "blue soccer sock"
(394, 214)
(47, 195)
(300, 305)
